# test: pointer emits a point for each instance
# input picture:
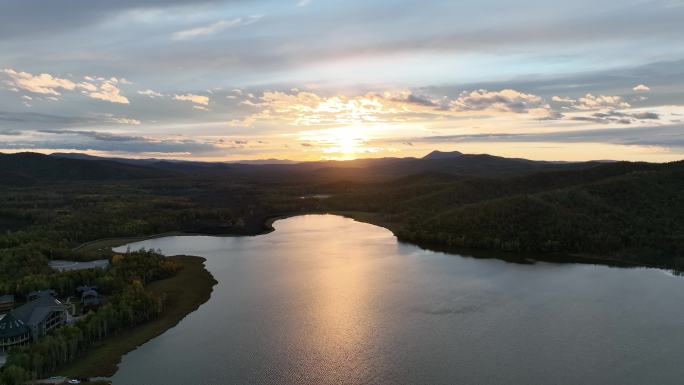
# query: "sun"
(340, 143)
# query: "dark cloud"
(9, 132)
(416, 99)
(666, 136)
(98, 135)
(646, 116)
(614, 116)
(85, 140)
(43, 118)
(36, 17)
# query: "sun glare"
(339, 143)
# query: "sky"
(234, 80)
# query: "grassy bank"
(185, 292)
(103, 247)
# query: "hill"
(442, 155)
(22, 168)
(630, 212)
(359, 170)
(624, 211)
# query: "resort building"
(6, 303)
(31, 321)
(41, 293)
(13, 332)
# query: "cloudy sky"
(328, 79)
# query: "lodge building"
(31, 321)
(6, 303)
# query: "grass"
(185, 292)
(103, 247)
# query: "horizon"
(309, 80)
(275, 161)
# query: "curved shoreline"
(107, 244)
(185, 292)
(371, 218)
(113, 355)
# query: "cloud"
(128, 121)
(561, 99)
(592, 102)
(99, 135)
(85, 140)
(33, 120)
(215, 27)
(53, 86)
(44, 84)
(412, 98)
(42, 119)
(10, 132)
(109, 92)
(506, 100)
(150, 93)
(641, 88)
(199, 100)
(301, 108)
(614, 116)
(666, 136)
(303, 3)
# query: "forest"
(614, 211)
(624, 212)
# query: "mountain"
(30, 167)
(359, 170)
(442, 155)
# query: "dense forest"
(628, 212)
(49, 205)
(619, 210)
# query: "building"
(31, 321)
(41, 293)
(6, 303)
(13, 332)
(90, 298)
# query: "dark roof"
(89, 293)
(6, 298)
(42, 293)
(85, 288)
(10, 326)
(34, 312)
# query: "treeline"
(46, 223)
(630, 212)
(143, 266)
(128, 305)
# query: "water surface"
(327, 300)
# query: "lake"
(328, 300)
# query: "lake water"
(327, 300)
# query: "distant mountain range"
(33, 168)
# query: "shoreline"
(103, 361)
(371, 218)
(107, 244)
(190, 288)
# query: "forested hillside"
(624, 211)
